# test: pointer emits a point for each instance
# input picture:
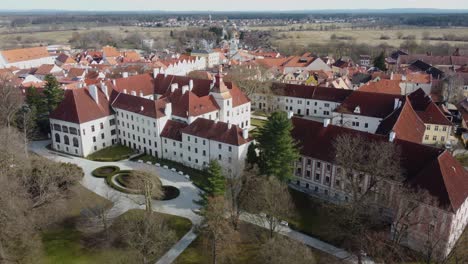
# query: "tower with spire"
(222, 96)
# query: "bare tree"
(26, 122)
(217, 229)
(146, 233)
(233, 195)
(280, 250)
(149, 184)
(271, 198)
(10, 101)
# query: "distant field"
(58, 36)
(310, 34)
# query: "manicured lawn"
(112, 153)
(198, 177)
(463, 159)
(260, 113)
(246, 249)
(258, 123)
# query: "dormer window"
(357, 110)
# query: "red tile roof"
(217, 131)
(140, 105)
(371, 104)
(17, 55)
(311, 92)
(44, 69)
(110, 51)
(79, 107)
(75, 72)
(138, 83)
(172, 130)
(432, 169)
(426, 109)
(382, 86)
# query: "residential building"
(25, 58)
(212, 57)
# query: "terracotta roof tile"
(79, 107)
(371, 104)
(17, 55)
(140, 105)
(217, 131)
(382, 86)
(172, 130)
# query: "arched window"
(57, 138)
(65, 129)
(75, 142)
(66, 140)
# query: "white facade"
(184, 67)
(357, 122)
(26, 64)
(83, 139)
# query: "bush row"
(105, 171)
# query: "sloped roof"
(110, 51)
(217, 131)
(382, 86)
(426, 109)
(432, 169)
(75, 72)
(140, 105)
(371, 104)
(173, 130)
(310, 92)
(79, 107)
(44, 69)
(138, 83)
(25, 54)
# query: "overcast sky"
(228, 5)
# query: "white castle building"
(190, 121)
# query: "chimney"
(391, 136)
(133, 93)
(245, 133)
(190, 85)
(93, 91)
(174, 87)
(168, 109)
(229, 125)
(114, 82)
(396, 104)
(290, 114)
(125, 74)
(185, 88)
(141, 94)
(142, 108)
(125, 91)
(326, 122)
(391, 76)
(156, 71)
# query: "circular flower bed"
(105, 171)
(121, 182)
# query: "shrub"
(105, 171)
(170, 192)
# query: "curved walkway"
(183, 205)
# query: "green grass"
(246, 250)
(463, 159)
(260, 113)
(112, 153)
(198, 177)
(311, 217)
(258, 123)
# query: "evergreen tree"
(52, 92)
(278, 151)
(216, 183)
(252, 155)
(379, 62)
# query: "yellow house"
(437, 134)
(438, 127)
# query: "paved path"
(259, 117)
(305, 239)
(183, 205)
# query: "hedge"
(98, 172)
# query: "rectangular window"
(219, 157)
(230, 149)
(92, 128)
(94, 139)
(219, 146)
(101, 125)
(113, 132)
(428, 127)
(112, 122)
(102, 136)
(318, 164)
(436, 128)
